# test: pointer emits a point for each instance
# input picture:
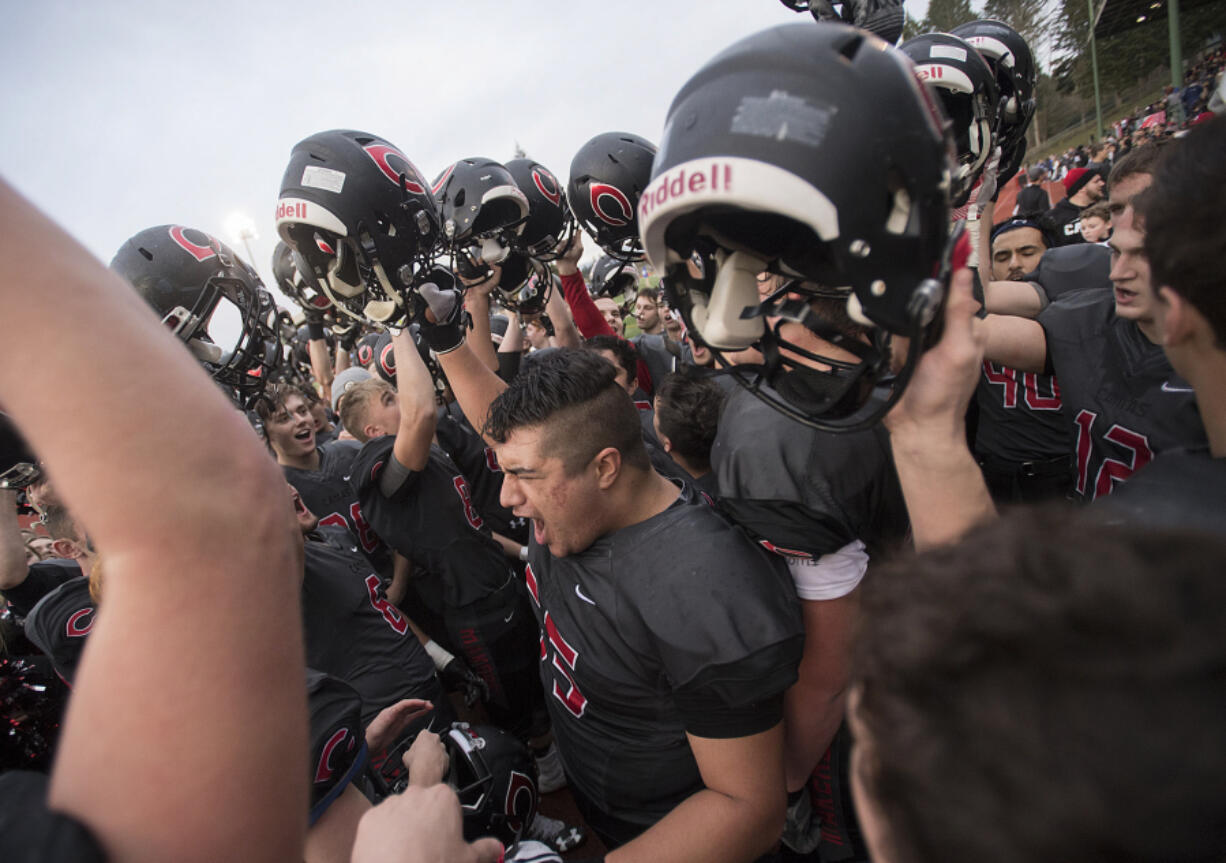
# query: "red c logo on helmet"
(380, 154)
(80, 623)
(600, 191)
(197, 251)
(518, 805)
(442, 180)
(323, 770)
(387, 360)
(543, 180)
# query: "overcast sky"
(122, 115)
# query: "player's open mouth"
(1123, 296)
(304, 435)
(538, 530)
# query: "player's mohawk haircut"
(548, 382)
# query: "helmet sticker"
(782, 117)
(381, 155)
(602, 191)
(546, 184)
(196, 250)
(318, 177)
(948, 52)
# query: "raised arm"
(477, 302)
(216, 681)
(1023, 299)
(415, 392)
(1019, 343)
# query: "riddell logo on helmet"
(716, 178)
(297, 210)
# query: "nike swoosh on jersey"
(579, 593)
(1167, 388)
(507, 619)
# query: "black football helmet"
(287, 268)
(967, 90)
(550, 224)
(607, 176)
(770, 162)
(362, 219)
(18, 464)
(483, 211)
(1009, 58)
(495, 777)
(524, 284)
(212, 300)
(611, 278)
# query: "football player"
(661, 757)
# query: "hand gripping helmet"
(1009, 58)
(611, 278)
(771, 161)
(361, 217)
(495, 777)
(211, 299)
(882, 18)
(967, 89)
(550, 223)
(607, 176)
(18, 464)
(482, 209)
(524, 284)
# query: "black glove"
(348, 334)
(446, 332)
(458, 677)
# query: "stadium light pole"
(1098, 102)
(1172, 8)
(241, 227)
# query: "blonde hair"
(355, 403)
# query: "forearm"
(1016, 342)
(812, 715)
(415, 391)
(13, 568)
(474, 385)
(321, 366)
(210, 507)
(566, 335)
(1012, 298)
(583, 308)
(944, 490)
(478, 306)
(402, 571)
(510, 547)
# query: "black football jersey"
(353, 632)
(1124, 402)
(804, 492)
(432, 520)
(1063, 223)
(328, 493)
(337, 738)
(1177, 490)
(1019, 416)
(59, 624)
(660, 628)
(43, 577)
(479, 465)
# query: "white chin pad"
(380, 310)
(493, 251)
(736, 288)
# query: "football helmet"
(18, 463)
(361, 218)
(550, 224)
(770, 162)
(524, 284)
(611, 278)
(607, 176)
(211, 299)
(287, 268)
(482, 209)
(495, 777)
(967, 89)
(1009, 58)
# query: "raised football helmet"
(770, 162)
(18, 463)
(482, 209)
(495, 777)
(607, 176)
(611, 278)
(1009, 58)
(883, 18)
(967, 89)
(550, 223)
(287, 267)
(211, 299)
(362, 219)
(524, 284)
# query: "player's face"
(1016, 253)
(384, 414)
(307, 520)
(319, 415)
(647, 313)
(536, 335)
(535, 486)
(673, 324)
(1123, 191)
(1134, 294)
(702, 356)
(291, 430)
(1094, 188)
(611, 313)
